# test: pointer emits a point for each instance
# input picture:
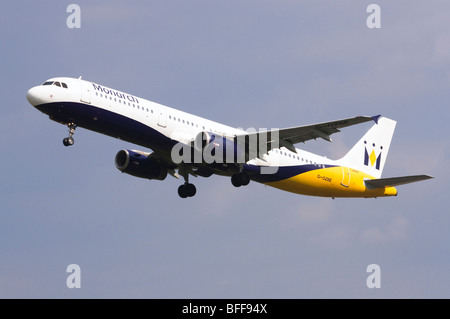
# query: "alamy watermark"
(74, 19)
(210, 148)
(74, 279)
(373, 21)
(374, 279)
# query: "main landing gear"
(68, 141)
(240, 179)
(187, 189)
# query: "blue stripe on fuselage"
(119, 126)
(106, 122)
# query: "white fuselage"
(76, 102)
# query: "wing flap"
(395, 181)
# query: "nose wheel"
(69, 141)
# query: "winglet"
(376, 118)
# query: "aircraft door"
(345, 177)
(162, 116)
(85, 92)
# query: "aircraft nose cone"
(32, 96)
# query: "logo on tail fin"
(373, 159)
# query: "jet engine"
(139, 164)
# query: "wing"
(287, 137)
(395, 181)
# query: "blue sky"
(259, 64)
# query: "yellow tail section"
(334, 181)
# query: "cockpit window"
(60, 84)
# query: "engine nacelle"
(218, 148)
(139, 164)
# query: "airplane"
(184, 144)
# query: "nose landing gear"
(68, 141)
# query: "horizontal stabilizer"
(395, 181)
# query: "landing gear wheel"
(68, 141)
(240, 179)
(245, 180)
(235, 180)
(187, 190)
(191, 190)
(182, 191)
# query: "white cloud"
(344, 235)
(338, 236)
(313, 212)
(396, 230)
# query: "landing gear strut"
(68, 141)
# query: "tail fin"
(370, 153)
